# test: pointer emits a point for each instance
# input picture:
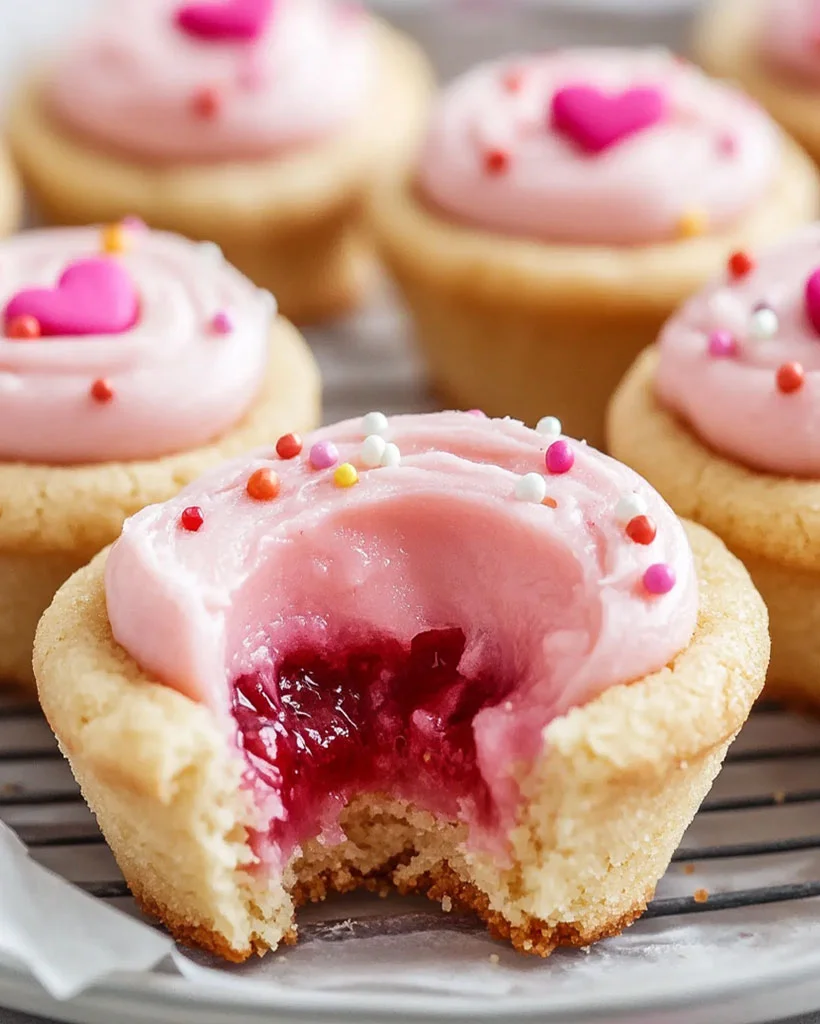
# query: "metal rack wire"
(40, 800)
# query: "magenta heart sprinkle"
(595, 120)
(225, 21)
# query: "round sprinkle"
(560, 457)
(531, 487)
(477, 412)
(374, 423)
(206, 102)
(550, 502)
(102, 390)
(722, 345)
(345, 475)
(790, 378)
(763, 324)
(549, 426)
(740, 264)
(641, 530)
(23, 328)
(221, 322)
(727, 144)
(629, 506)
(288, 446)
(512, 80)
(211, 251)
(323, 455)
(134, 223)
(496, 161)
(191, 518)
(372, 451)
(263, 485)
(391, 457)
(114, 239)
(659, 578)
(693, 222)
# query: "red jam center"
(373, 718)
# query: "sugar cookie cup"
(11, 197)
(770, 50)
(134, 412)
(553, 816)
(538, 257)
(238, 145)
(722, 417)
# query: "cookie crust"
(602, 810)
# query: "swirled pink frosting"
(740, 362)
(176, 381)
(789, 38)
(551, 601)
(497, 156)
(138, 83)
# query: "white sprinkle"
(763, 324)
(508, 705)
(629, 506)
(372, 451)
(211, 251)
(391, 455)
(374, 423)
(269, 301)
(531, 487)
(549, 426)
(446, 904)
(495, 959)
(10, 382)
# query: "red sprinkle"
(263, 485)
(23, 327)
(102, 390)
(512, 80)
(790, 378)
(191, 518)
(641, 530)
(740, 264)
(496, 161)
(288, 446)
(206, 102)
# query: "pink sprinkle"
(722, 345)
(477, 412)
(323, 455)
(560, 457)
(221, 322)
(659, 578)
(133, 223)
(727, 144)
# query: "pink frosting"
(177, 378)
(657, 142)
(789, 38)
(553, 597)
(720, 358)
(139, 83)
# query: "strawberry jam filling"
(377, 717)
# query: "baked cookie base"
(11, 197)
(56, 517)
(295, 224)
(772, 524)
(726, 44)
(602, 810)
(522, 328)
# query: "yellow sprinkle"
(693, 222)
(114, 238)
(345, 475)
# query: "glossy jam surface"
(377, 717)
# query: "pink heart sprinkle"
(225, 21)
(813, 299)
(93, 296)
(596, 120)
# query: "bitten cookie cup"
(145, 381)
(466, 740)
(723, 417)
(770, 49)
(269, 151)
(556, 218)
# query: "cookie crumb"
(779, 796)
(689, 869)
(446, 904)
(700, 895)
(495, 959)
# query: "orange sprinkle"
(550, 502)
(700, 895)
(102, 390)
(263, 485)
